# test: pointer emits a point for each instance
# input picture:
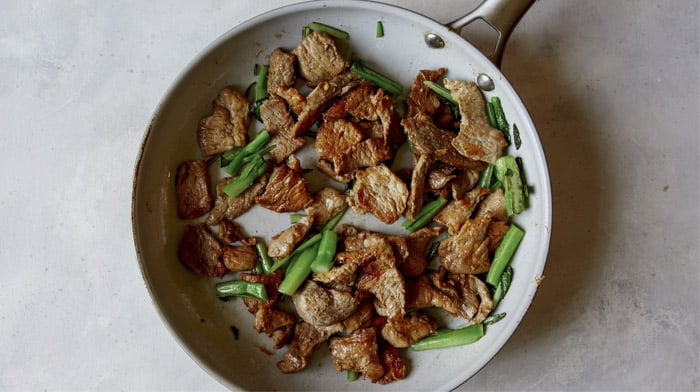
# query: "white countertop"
(612, 86)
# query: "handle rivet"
(485, 82)
(434, 41)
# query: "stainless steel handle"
(501, 15)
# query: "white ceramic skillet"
(186, 302)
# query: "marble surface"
(613, 88)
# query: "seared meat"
(287, 191)
(277, 120)
(367, 153)
(408, 330)
(379, 191)
(230, 232)
(456, 212)
(201, 251)
(275, 323)
(496, 231)
(335, 138)
(282, 244)
(359, 352)
(440, 175)
(321, 306)
(281, 77)
(192, 189)
(495, 205)
(318, 58)
(361, 318)
(307, 339)
(421, 99)
(477, 139)
(424, 293)
(227, 126)
(381, 278)
(232, 207)
(240, 258)
(395, 367)
(340, 277)
(430, 140)
(326, 167)
(327, 203)
(415, 197)
(321, 97)
(417, 242)
(464, 182)
(467, 252)
(474, 293)
(284, 146)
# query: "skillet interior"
(186, 301)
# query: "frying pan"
(204, 325)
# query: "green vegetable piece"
(313, 240)
(330, 30)
(297, 273)
(503, 286)
(504, 254)
(241, 288)
(295, 218)
(375, 77)
(486, 176)
(326, 251)
(265, 260)
(260, 91)
(426, 214)
(508, 173)
(491, 114)
(450, 338)
(501, 122)
(494, 318)
(352, 376)
(330, 225)
(441, 91)
(380, 29)
(516, 137)
(239, 156)
(249, 174)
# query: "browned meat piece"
(335, 138)
(440, 175)
(367, 153)
(421, 99)
(321, 306)
(380, 192)
(326, 167)
(355, 240)
(381, 278)
(354, 105)
(394, 365)
(467, 252)
(477, 139)
(424, 293)
(287, 191)
(340, 277)
(456, 212)
(275, 116)
(227, 126)
(359, 352)
(327, 203)
(474, 293)
(201, 251)
(415, 197)
(495, 205)
(497, 230)
(318, 58)
(230, 232)
(417, 242)
(192, 189)
(321, 97)
(361, 318)
(282, 244)
(464, 182)
(275, 323)
(306, 340)
(284, 146)
(281, 77)
(430, 140)
(408, 330)
(240, 258)
(232, 207)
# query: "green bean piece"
(241, 288)
(313, 240)
(297, 273)
(265, 260)
(326, 252)
(426, 214)
(330, 30)
(249, 174)
(375, 77)
(330, 225)
(494, 318)
(502, 286)
(450, 338)
(441, 91)
(380, 29)
(352, 376)
(508, 173)
(504, 253)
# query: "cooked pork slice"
(240, 258)
(340, 277)
(417, 242)
(408, 330)
(287, 191)
(321, 97)
(497, 230)
(390, 118)
(467, 252)
(275, 323)
(306, 340)
(318, 58)
(495, 205)
(415, 197)
(456, 212)
(194, 198)
(284, 146)
(327, 203)
(275, 116)
(456, 299)
(421, 99)
(354, 239)
(283, 243)
(355, 105)
(382, 278)
(394, 365)
(232, 207)
(430, 140)
(379, 191)
(201, 251)
(335, 138)
(230, 232)
(326, 167)
(322, 306)
(271, 282)
(227, 126)
(477, 139)
(474, 294)
(367, 153)
(281, 77)
(440, 175)
(464, 182)
(359, 352)
(361, 318)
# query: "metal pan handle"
(501, 15)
